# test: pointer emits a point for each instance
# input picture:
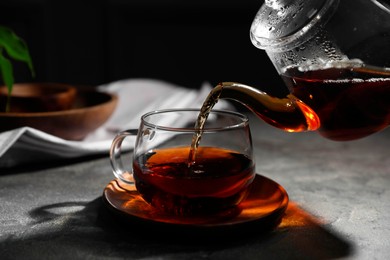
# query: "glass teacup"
(218, 178)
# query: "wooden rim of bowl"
(111, 97)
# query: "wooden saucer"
(262, 209)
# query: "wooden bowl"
(89, 111)
(38, 97)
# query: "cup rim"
(244, 120)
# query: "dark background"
(99, 41)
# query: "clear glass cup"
(168, 178)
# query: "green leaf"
(6, 72)
(15, 47)
(8, 78)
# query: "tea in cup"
(173, 177)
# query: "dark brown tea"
(341, 103)
(218, 180)
(350, 102)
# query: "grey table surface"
(339, 207)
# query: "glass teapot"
(334, 57)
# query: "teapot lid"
(281, 24)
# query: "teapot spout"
(289, 114)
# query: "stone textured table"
(339, 207)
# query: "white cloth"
(135, 97)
